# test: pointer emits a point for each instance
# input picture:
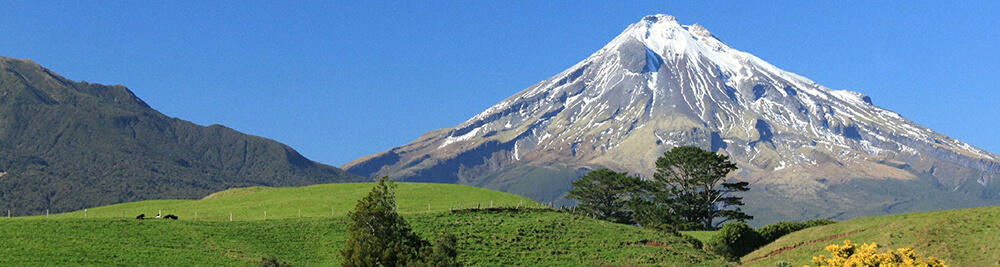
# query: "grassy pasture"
(963, 237)
(486, 237)
(325, 200)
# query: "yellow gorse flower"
(853, 255)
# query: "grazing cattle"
(170, 216)
(141, 217)
(158, 216)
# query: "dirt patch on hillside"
(657, 244)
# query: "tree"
(379, 236)
(605, 194)
(654, 208)
(695, 181)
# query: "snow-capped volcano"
(807, 150)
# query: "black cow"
(170, 216)
(141, 217)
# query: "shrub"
(272, 261)
(774, 231)
(694, 242)
(662, 227)
(442, 254)
(721, 249)
(734, 240)
(865, 255)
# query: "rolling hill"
(962, 237)
(324, 200)
(486, 237)
(67, 145)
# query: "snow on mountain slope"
(660, 84)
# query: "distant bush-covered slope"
(68, 145)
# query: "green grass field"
(964, 237)
(487, 237)
(325, 200)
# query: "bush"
(774, 231)
(865, 255)
(737, 239)
(722, 249)
(734, 240)
(442, 254)
(662, 227)
(694, 242)
(272, 261)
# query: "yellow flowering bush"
(850, 255)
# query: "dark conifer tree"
(605, 194)
(379, 236)
(696, 180)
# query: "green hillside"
(323, 200)
(964, 237)
(67, 145)
(487, 237)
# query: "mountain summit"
(807, 150)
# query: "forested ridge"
(67, 145)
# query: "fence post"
(195, 215)
(491, 203)
(46, 213)
(230, 216)
(265, 215)
(123, 214)
(84, 213)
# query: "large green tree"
(379, 236)
(605, 194)
(695, 180)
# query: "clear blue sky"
(338, 80)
